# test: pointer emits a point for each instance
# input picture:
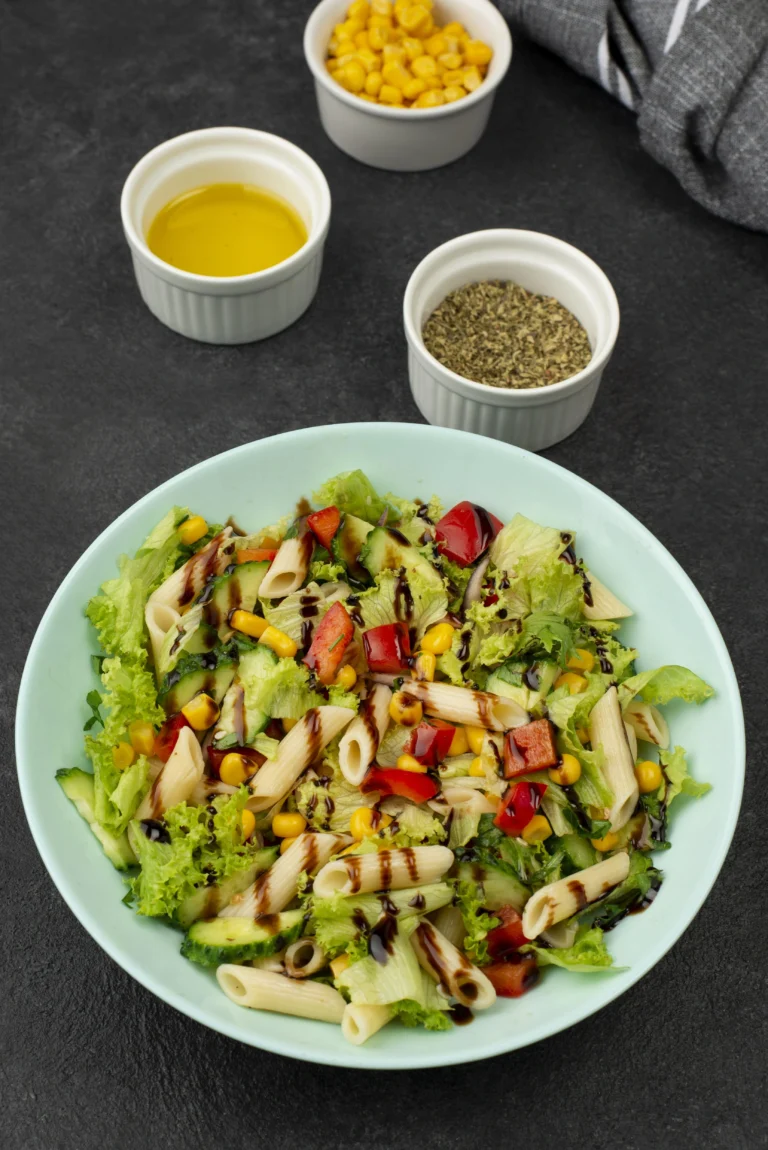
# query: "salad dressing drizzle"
(569, 556)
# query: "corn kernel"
(359, 10)
(606, 843)
(416, 20)
(405, 710)
(378, 38)
(452, 43)
(397, 35)
(352, 76)
(454, 77)
(581, 660)
(288, 825)
(582, 734)
(382, 8)
(234, 769)
(286, 844)
(435, 45)
(426, 663)
(201, 712)
(339, 965)
(142, 736)
(476, 52)
(471, 79)
(575, 683)
(346, 678)
(361, 41)
(368, 99)
(424, 66)
(476, 768)
(409, 763)
(396, 75)
(247, 823)
(373, 82)
(123, 755)
(192, 530)
(389, 94)
(451, 61)
(332, 66)
(454, 29)
(248, 623)
(412, 47)
(475, 737)
(537, 830)
(282, 644)
(435, 84)
(349, 29)
(393, 54)
(438, 639)
(345, 48)
(649, 776)
(380, 22)
(567, 772)
(361, 823)
(460, 743)
(453, 93)
(370, 60)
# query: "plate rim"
(506, 1042)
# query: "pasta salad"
(377, 761)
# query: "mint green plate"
(260, 482)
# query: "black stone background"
(100, 403)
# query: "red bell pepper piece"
(168, 735)
(330, 643)
(324, 525)
(465, 531)
(511, 979)
(508, 936)
(429, 744)
(407, 784)
(256, 555)
(518, 806)
(249, 753)
(530, 748)
(388, 648)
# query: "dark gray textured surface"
(100, 403)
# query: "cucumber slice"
(78, 786)
(190, 636)
(515, 678)
(347, 544)
(581, 853)
(209, 900)
(237, 588)
(388, 549)
(500, 888)
(237, 716)
(211, 672)
(215, 940)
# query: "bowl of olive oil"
(226, 228)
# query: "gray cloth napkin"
(696, 73)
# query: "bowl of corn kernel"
(406, 85)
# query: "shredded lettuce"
(412, 1013)
(675, 767)
(413, 825)
(328, 804)
(664, 684)
(381, 603)
(587, 955)
(524, 539)
(282, 690)
(607, 911)
(477, 922)
(354, 494)
(456, 579)
(286, 614)
(336, 920)
(400, 977)
(324, 570)
(409, 521)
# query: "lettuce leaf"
(336, 920)
(588, 953)
(412, 1013)
(477, 921)
(456, 579)
(324, 570)
(328, 803)
(664, 684)
(282, 689)
(607, 911)
(524, 539)
(409, 522)
(197, 854)
(286, 614)
(400, 977)
(675, 767)
(354, 494)
(382, 604)
(556, 589)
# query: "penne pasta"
(604, 603)
(274, 889)
(298, 750)
(607, 730)
(562, 899)
(385, 870)
(267, 990)
(361, 740)
(647, 722)
(462, 705)
(629, 731)
(288, 569)
(304, 957)
(178, 779)
(361, 1021)
(451, 970)
(273, 962)
(166, 605)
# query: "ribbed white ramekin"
(227, 309)
(534, 418)
(407, 139)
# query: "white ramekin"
(407, 139)
(533, 418)
(227, 309)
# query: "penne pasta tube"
(631, 741)
(385, 870)
(273, 962)
(606, 729)
(463, 705)
(304, 957)
(178, 780)
(564, 898)
(450, 924)
(647, 722)
(300, 747)
(166, 604)
(360, 741)
(267, 990)
(604, 603)
(470, 797)
(288, 569)
(451, 969)
(360, 1022)
(274, 889)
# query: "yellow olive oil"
(226, 230)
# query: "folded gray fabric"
(696, 73)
